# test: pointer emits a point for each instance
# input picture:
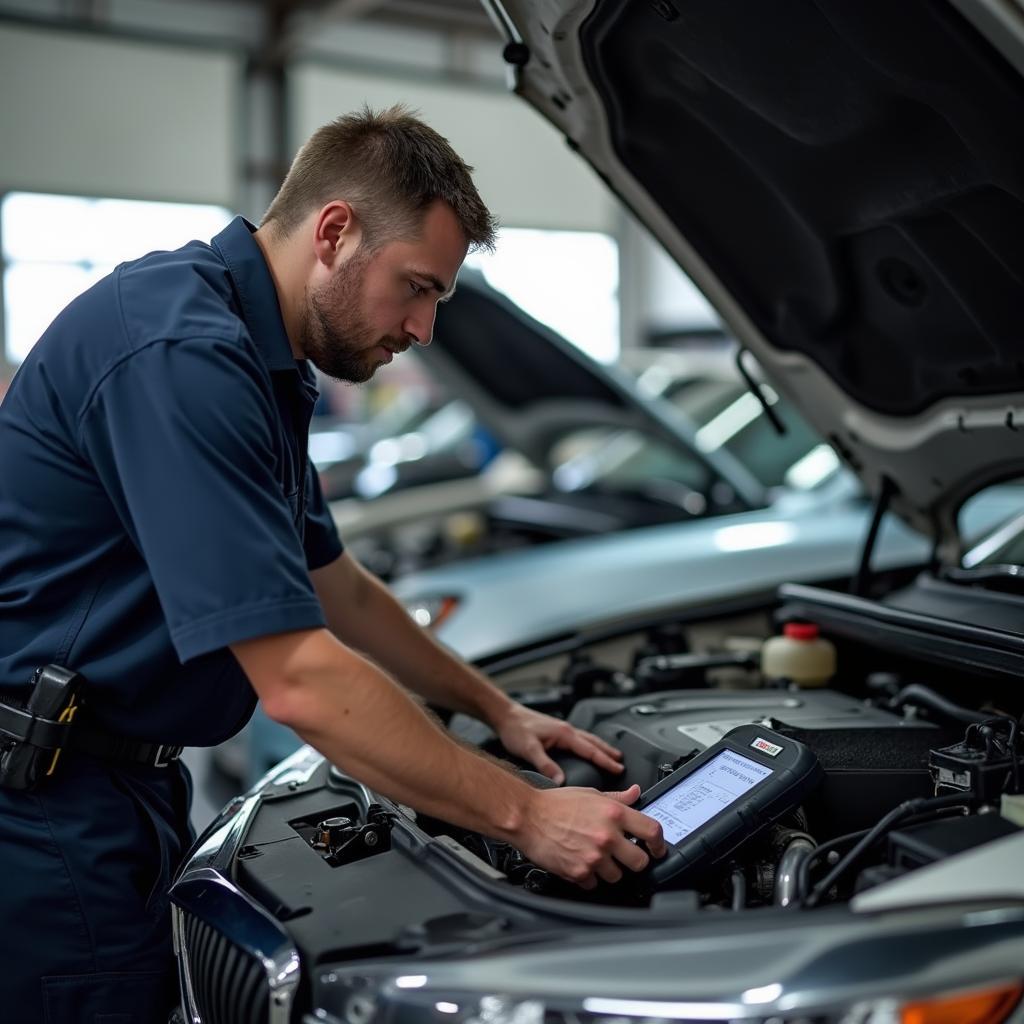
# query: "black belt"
(88, 740)
(18, 724)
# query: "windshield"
(1003, 545)
(707, 390)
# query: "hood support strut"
(755, 390)
(863, 577)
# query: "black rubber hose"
(916, 693)
(803, 882)
(904, 810)
(823, 850)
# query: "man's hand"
(530, 735)
(365, 616)
(580, 834)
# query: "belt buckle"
(166, 754)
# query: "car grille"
(229, 985)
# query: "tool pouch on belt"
(33, 734)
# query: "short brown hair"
(390, 166)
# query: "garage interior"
(204, 103)
(774, 537)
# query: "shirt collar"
(256, 293)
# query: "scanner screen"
(700, 796)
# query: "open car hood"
(530, 387)
(845, 182)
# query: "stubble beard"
(336, 336)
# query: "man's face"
(375, 305)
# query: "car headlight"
(411, 999)
(990, 1005)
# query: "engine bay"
(919, 759)
(913, 771)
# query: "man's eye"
(416, 289)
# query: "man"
(162, 533)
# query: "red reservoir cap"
(800, 630)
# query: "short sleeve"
(180, 435)
(321, 540)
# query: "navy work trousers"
(85, 863)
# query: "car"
(339, 448)
(843, 180)
(538, 442)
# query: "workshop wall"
(88, 116)
(524, 170)
(92, 115)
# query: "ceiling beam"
(347, 10)
(437, 16)
(299, 30)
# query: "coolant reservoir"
(800, 655)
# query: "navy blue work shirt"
(154, 443)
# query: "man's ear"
(336, 233)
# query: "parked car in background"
(339, 448)
(678, 441)
(536, 442)
(844, 181)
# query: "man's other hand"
(583, 835)
(530, 735)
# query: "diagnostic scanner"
(724, 797)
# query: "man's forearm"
(354, 714)
(359, 718)
(364, 614)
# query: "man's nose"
(420, 326)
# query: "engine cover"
(873, 759)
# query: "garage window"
(568, 280)
(54, 247)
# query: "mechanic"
(163, 535)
